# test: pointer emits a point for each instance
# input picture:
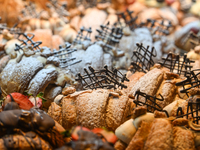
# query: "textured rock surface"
(41, 80)
(93, 56)
(128, 45)
(140, 35)
(158, 47)
(50, 93)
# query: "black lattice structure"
(191, 81)
(27, 40)
(104, 78)
(193, 109)
(83, 35)
(65, 56)
(59, 8)
(29, 11)
(90, 3)
(129, 19)
(158, 27)
(150, 101)
(177, 64)
(142, 59)
(110, 36)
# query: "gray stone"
(53, 60)
(140, 35)
(107, 60)
(41, 80)
(50, 94)
(158, 48)
(86, 44)
(93, 56)
(122, 62)
(127, 44)
(46, 52)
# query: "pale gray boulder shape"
(158, 48)
(41, 80)
(140, 35)
(128, 45)
(50, 94)
(15, 77)
(53, 60)
(46, 52)
(93, 56)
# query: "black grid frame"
(103, 78)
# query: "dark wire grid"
(103, 78)
(150, 101)
(178, 64)
(193, 109)
(83, 35)
(191, 80)
(64, 54)
(142, 59)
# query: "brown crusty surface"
(149, 83)
(168, 91)
(137, 142)
(119, 145)
(55, 111)
(91, 108)
(68, 112)
(115, 111)
(132, 81)
(160, 136)
(183, 139)
(159, 114)
(182, 104)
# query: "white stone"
(93, 56)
